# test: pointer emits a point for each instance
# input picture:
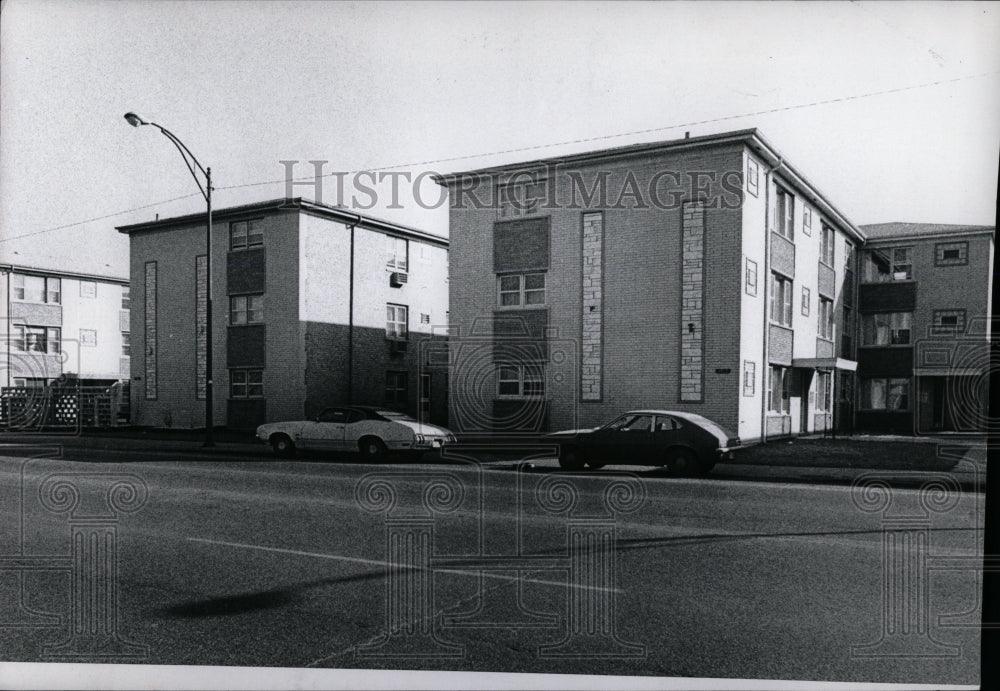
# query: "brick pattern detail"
(692, 289)
(593, 309)
(150, 340)
(201, 312)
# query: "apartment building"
(312, 306)
(925, 300)
(704, 274)
(66, 325)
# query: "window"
(88, 338)
(36, 288)
(425, 318)
(948, 323)
(398, 249)
(826, 319)
(824, 392)
(951, 253)
(246, 383)
(521, 198)
(520, 381)
(37, 339)
(847, 334)
(753, 176)
(806, 301)
(779, 390)
(751, 277)
(632, 423)
(891, 264)
(826, 246)
(807, 220)
(784, 213)
(749, 377)
(781, 300)
(885, 394)
(891, 328)
(396, 390)
(126, 297)
(246, 309)
(246, 234)
(126, 344)
(521, 290)
(396, 322)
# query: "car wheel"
(372, 448)
(570, 458)
(683, 463)
(282, 445)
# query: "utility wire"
(582, 140)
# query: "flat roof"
(57, 273)
(297, 204)
(752, 138)
(900, 230)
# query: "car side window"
(666, 424)
(333, 415)
(354, 416)
(640, 423)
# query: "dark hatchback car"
(688, 444)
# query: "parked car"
(688, 444)
(369, 430)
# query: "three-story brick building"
(313, 306)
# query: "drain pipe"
(766, 365)
(350, 319)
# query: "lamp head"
(134, 120)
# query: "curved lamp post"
(206, 192)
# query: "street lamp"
(206, 192)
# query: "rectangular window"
(781, 300)
(246, 309)
(779, 390)
(126, 297)
(397, 390)
(902, 263)
(807, 220)
(17, 285)
(398, 253)
(806, 301)
(521, 290)
(36, 288)
(53, 290)
(826, 319)
(951, 253)
(396, 322)
(753, 176)
(784, 218)
(246, 383)
(949, 322)
(885, 394)
(749, 377)
(826, 246)
(88, 338)
(126, 344)
(520, 381)
(521, 198)
(889, 328)
(824, 392)
(751, 277)
(246, 234)
(425, 318)
(37, 339)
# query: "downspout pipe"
(350, 317)
(766, 365)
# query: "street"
(454, 564)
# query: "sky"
(891, 109)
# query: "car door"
(326, 433)
(627, 440)
(667, 431)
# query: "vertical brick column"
(593, 287)
(692, 289)
(201, 313)
(150, 340)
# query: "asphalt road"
(261, 562)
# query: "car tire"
(282, 445)
(372, 448)
(570, 458)
(683, 463)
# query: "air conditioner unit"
(397, 278)
(397, 346)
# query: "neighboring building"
(704, 274)
(59, 324)
(292, 333)
(925, 299)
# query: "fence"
(63, 406)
